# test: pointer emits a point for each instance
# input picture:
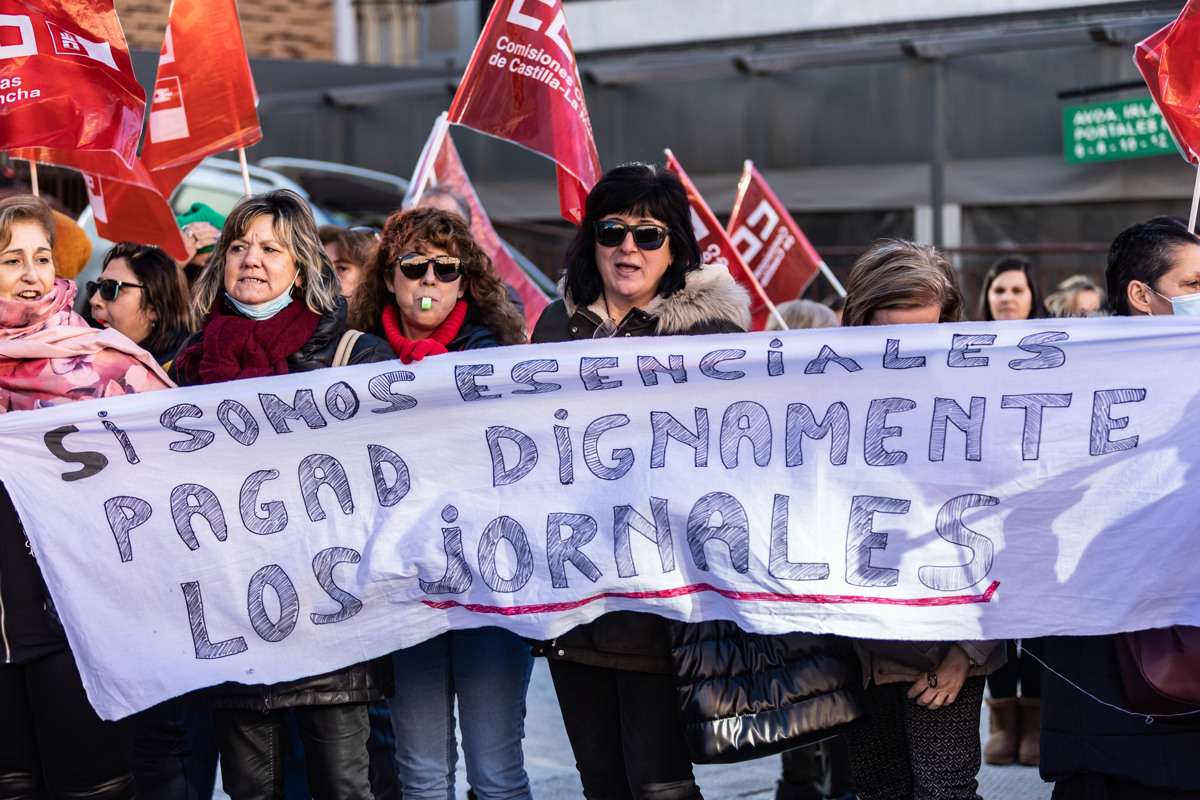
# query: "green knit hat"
(201, 212)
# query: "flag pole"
(829, 276)
(245, 171)
(33, 182)
(1195, 202)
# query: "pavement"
(552, 773)
(551, 767)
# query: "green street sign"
(1113, 131)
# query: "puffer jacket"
(360, 683)
(744, 696)
(710, 302)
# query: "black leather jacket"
(29, 628)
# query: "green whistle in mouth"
(426, 304)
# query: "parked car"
(339, 194)
(217, 182)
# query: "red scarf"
(232, 346)
(410, 350)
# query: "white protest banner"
(966, 481)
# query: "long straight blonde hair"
(293, 223)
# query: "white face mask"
(1185, 305)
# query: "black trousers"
(816, 772)
(174, 755)
(335, 751)
(52, 744)
(1019, 671)
(625, 733)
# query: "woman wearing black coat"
(1091, 750)
(634, 269)
(270, 306)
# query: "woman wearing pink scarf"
(52, 743)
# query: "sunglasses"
(109, 288)
(414, 266)
(366, 230)
(610, 233)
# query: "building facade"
(286, 29)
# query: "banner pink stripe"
(695, 588)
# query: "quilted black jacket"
(744, 696)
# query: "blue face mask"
(262, 311)
(1185, 305)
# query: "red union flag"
(1169, 60)
(126, 203)
(522, 85)
(715, 245)
(67, 84)
(440, 166)
(133, 210)
(771, 243)
(204, 98)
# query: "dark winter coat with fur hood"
(710, 302)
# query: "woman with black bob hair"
(634, 268)
(641, 696)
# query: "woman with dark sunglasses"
(140, 294)
(634, 269)
(432, 290)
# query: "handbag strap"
(345, 347)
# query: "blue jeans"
(488, 670)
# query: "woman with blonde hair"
(924, 698)
(53, 744)
(269, 302)
(1077, 296)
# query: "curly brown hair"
(409, 231)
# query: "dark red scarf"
(232, 346)
(410, 350)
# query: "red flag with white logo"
(715, 245)
(67, 83)
(1169, 60)
(133, 210)
(204, 98)
(126, 203)
(440, 166)
(770, 243)
(522, 85)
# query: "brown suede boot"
(1029, 752)
(1003, 727)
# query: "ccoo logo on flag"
(168, 117)
(70, 43)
